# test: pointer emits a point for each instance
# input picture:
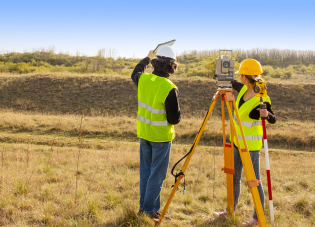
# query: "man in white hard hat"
(158, 112)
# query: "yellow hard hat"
(250, 67)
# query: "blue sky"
(135, 27)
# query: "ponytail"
(253, 79)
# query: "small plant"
(128, 216)
(21, 188)
(133, 165)
(93, 206)
(204, 198)
(302, 206)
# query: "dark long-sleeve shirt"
(255, 113)
(171, 102)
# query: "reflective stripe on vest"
(151, 109)
(250, 137)
(153, 123)
(246, 123)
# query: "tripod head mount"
(224, 71)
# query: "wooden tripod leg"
(187, 160)
(248, 168)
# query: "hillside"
(45, 104)
(104, 95)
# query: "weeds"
(108, 191)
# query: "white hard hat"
(166, 51)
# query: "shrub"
(268, 70)
(2, 67)
(287, 75)
(126, 72)
(303, 69)
(12, 67)
(23, 67)
(58, 68)
(132, 65)
(200, 73)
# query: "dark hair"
(164, 67)
(250, 79)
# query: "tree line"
(276, 63)
(274, 57)
(49, 61)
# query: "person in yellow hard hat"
(158, 112)
(248, 106)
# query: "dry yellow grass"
(21, 126)
(38, 187)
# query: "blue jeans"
(238, 166)
(154, 160)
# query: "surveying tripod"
(229, 99)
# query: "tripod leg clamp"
(227, 170)
(253, 183)
(229, 97)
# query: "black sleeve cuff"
(271, 115)
(271, 118)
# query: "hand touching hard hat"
(151, 54)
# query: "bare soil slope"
(113, 95)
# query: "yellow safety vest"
(252, 128)
(152, 122)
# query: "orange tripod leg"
(248, 168)
(228, 163)
(158, 221)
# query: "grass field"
(56, 171)
(38, 187)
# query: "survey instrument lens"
(224, 72)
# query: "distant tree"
(12, 67)
(209, 63)
(23, 67)
(101, 52)
(2, 67)
(118, 65)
